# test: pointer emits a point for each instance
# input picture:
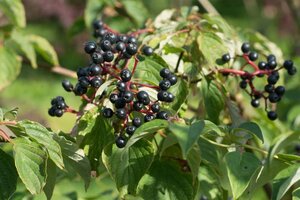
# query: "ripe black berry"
(226, 57)
(162, 95)
(269, 88)
(165, 73)
(280, 90)
(132, 39)
(143, 97)
(99, 32)
(79, 90)
(125, 75)
(245, 47)
(131, 49)
(113, 97)
(111, 37)
(162, 115)
(121, 113)
(173, 79)
(148, 51)
(149, 117)
(120, 142)
(262, 65)
(90, 47)
(67, 85)
(98, 24)
(84, 81)
(271, 57)
(137, 122)
(272, 115)
(128, 96)
(95, 70)
(288, 64)
(130, 129)
(121, 86)
(122, 38)
(272, 79)
(96, 82)
(155, 107)
(82, 72)
(58, 112)
(292, 71)
(108, 56)
(137, 105)
(164, 84)
(51, 111)
(61, 105)
(273, 97)
(243, 84)
(170, 97)
(107, 112)
(105, 45)
(120, 46)
(120, 103)
(97, 58)
(272, 64)
(255, 103)
(253, 56)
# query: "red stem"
(70, 110)
(136, 61)
(145, 85)
(245, 56)
(141, 31)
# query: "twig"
(64, 71)
(208, 7)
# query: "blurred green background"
(60, 21)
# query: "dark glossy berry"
(173, 79)
(125, 75)
(61, 105)
(132, 39)
(269, 88)
(110, 37)
(272, 79)
(121, 113)
(120, 142)
(137, 122)
(255, 103)
(113, 97)
(79, 90)
(105, 45)
(99, 33)
(253, 56)
(272, 115)
(272, 64)
(95, 70)
(164, 84)
(262, 65)
(280, 90)
(137, 106)
(98, 24)
(162, 95)
(273, 97)
(271, 57)
(131, 49)
(245, 47)
(148, 51)
(107, 112)
(84, 81)
(51, 111)
(288, 64)
(292, 71)
(97, 58)
(165, 73)
(130, 129)
(122, 38)
(108, 56)
(67, 85)
(162, 115)
(96, 82)
(170, 97)
(120, 103)
(59, 98)
(143, 97)
(82, 71)
(121, 86)
(226, 57)
(90, 47)
(155, 107)
(128, 96)
(120, 46)
(59, 112)
(243, 84)
(149, 117)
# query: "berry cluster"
(264, 68)
(58, 105)
(131, 105)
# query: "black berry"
(130, 129)
(253, 56)
(173, 79)
(226, 57)
(273, 97)
(288, 64)
(292, 71)
(280, 90)
(79, 90)
(255, 103)
(164, 84)
(97, 58)
(59, 112)
(165, 73)
(67, 85)
(162, 115)
(269, 88)
(120, 46)
(128, 96)
(90, 47)
(125, 75)
(120, 103)
(272, 115)
(138, 106)
(148, 51)
(272, 79)
(262, 65)
(121, 113)
(120, 142)
(162, 95)
(111, 37)
(95, 70)
(243, 84)
(107, 112)
(143, 97)
(108, 56)
(149, 117)
(96, 82)
(137, 122)
(245, 47)
(155, 107)
(113, 98)
(132, 39)
(121, 86)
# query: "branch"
(208, 7)
(64, 71)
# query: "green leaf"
(166, 181)
(296, 194)
(30, 161)
(92, 11)
(240, 169)
(75, 158)
(50, 180)
(194, 160)
(127, 166)
(44, 48)
(186, 135)
(15, 12)
(213, 99)
(25, 45)
(44, 137)
(77, 27)
(284, 181)
(211, 46)
(8, 176)
(9, 114)
(10, 66)
(251, 128)
(180, 91)
(136, 10)
(147, 129)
